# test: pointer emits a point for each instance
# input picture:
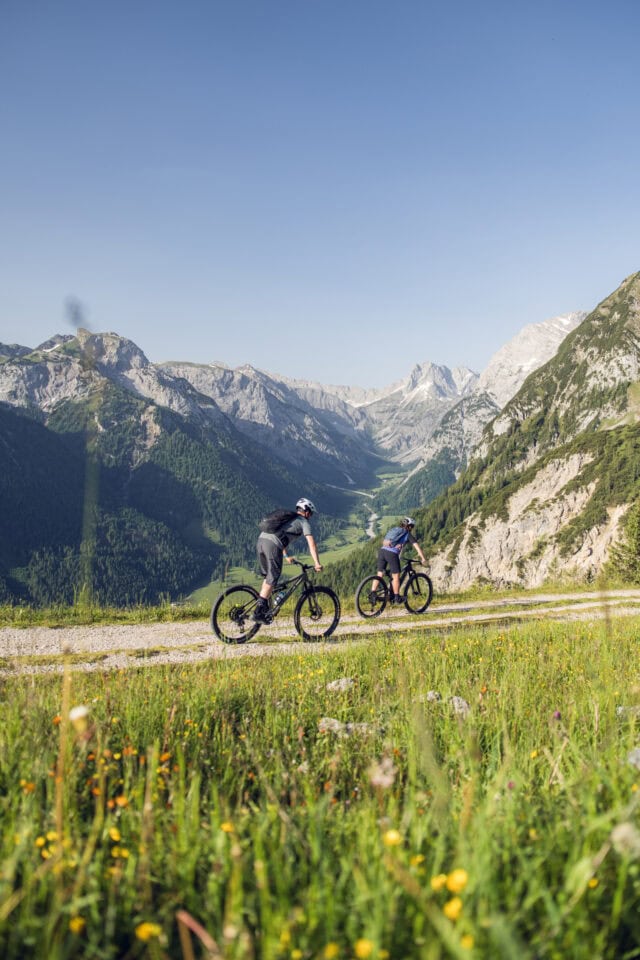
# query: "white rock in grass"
(331, 725)
(624, 712)
(433, 696)
(634, 758)
(344, 683)
(460, 706)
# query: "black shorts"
(388, 558)
(270, 560)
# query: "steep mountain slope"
(404, 419)
(343, 432)
(328, 441)
(557, 468)
(448, 449)
(114, 467)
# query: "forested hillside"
(128, 500)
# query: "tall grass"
(419, 831)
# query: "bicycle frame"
(289, 586)
(405, 573)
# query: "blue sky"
(330, 189)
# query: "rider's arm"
(420, 553)
(313, 550)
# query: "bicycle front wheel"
(317, 613)
(418, 594)
(231, 615)
(370, 602)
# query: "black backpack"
(273, 522)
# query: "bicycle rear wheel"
(418, 593)
(231, 615)
(317, 613)
(369, 602)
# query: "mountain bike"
(416, 590)
(316, 614)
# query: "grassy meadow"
(246, 808)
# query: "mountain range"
(150, 477)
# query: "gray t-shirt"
(298, 527)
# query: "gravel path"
(122, 647)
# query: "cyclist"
(272, 549)
(393, 544)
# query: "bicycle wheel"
(317, 613)
(371, 603)
(231, 615)
(418, 594)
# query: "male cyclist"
(272, 549)
(393, 544)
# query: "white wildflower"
(382, 774)
(626, 840)
(78, 716)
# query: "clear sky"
(330, 189)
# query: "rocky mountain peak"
(111, 351)
(532, 347)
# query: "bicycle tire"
(366, 608)
(418, 593)
(231, 615)
(317, 613)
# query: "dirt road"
(38, 650)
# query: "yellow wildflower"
(452, 908)
(466, 942)
(147, 931)
(437, 883)
(533, 754)
(40, 841)
(417, 859)
(227, 826)
(363, 949)
(296, 954)
(114, 833)
(593, 883)
(457, 881)
(331, 951)
(77, 924)
(392, 838)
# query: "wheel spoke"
(231, 617)
(371, 602)
(317, 614)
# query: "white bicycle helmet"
(408, 522)
(304, 504)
